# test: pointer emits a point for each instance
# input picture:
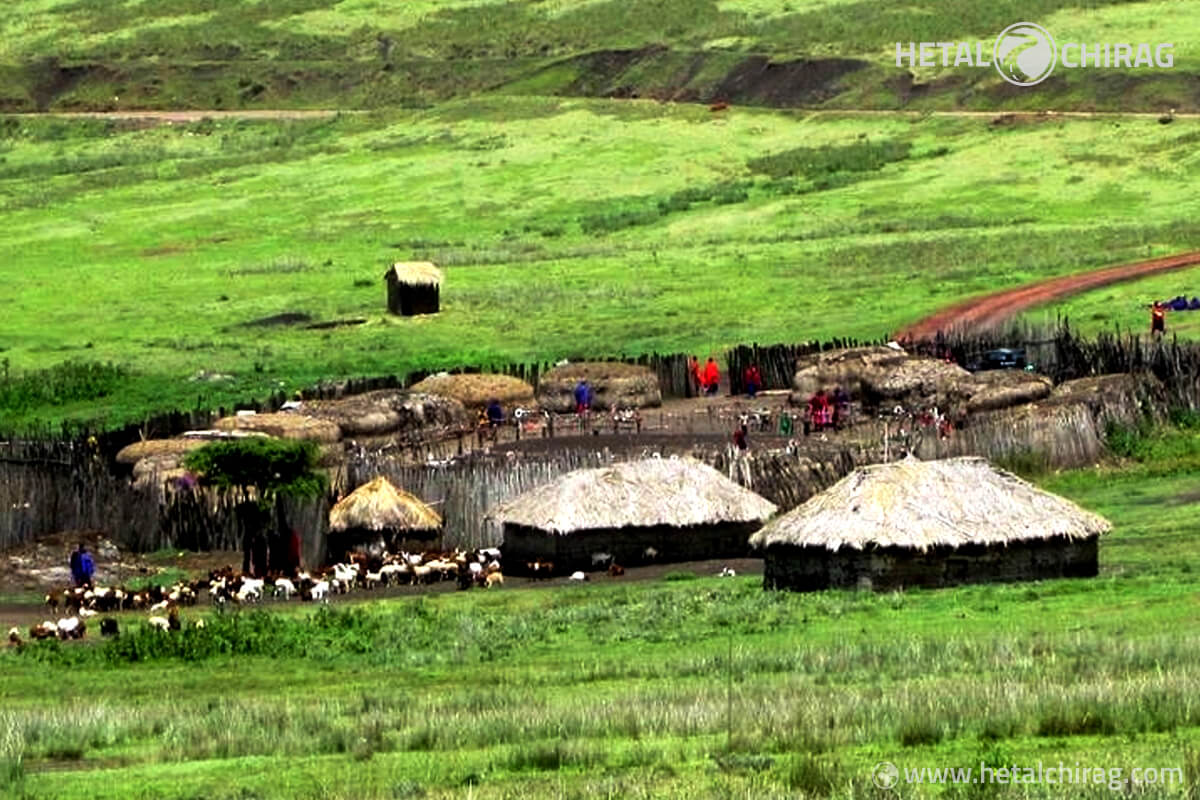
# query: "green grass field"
(698, 688)
(566, 228)
(1124, 306)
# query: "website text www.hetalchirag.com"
(886, 775)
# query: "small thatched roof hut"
(928, 523)
(679, 509)
(376, 510)
(413, 287)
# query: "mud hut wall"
(574, 551)
(813, 569)
(409, 299)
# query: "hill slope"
(100, 54)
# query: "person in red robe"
(753, 380)
(712, 377)
(1158, 319)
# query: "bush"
(917, 732)
(680, 575)
(68, 382)
(811, 776)
(274, 465)
(818, 162)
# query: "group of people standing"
(706, 379)
(826, 410)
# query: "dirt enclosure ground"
(27, 609)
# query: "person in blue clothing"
(583, 397)
(82, 566)
(495, 412)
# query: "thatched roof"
(418, 273)
(597, 370)
(152, 448)
(475, 390)
(386, 411)
(922, 504)
(380, 506)
(657, 491)
(284, 425)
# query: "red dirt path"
(991, 309)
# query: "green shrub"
(1077, 720)
(68, 382)
(811, 775)
(917, 732)
(818, 162)
(274, 465)
(680, 575)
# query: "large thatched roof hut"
(378, 510)
(680, 508)
(928, 523)
(413, 287)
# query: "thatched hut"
(680, 508)
(915, 383)
(413, 287)
(1004, 388)
(283, 425)
(829, 369)
(928, 523)
(615, 384)
(376, 511)
(475, 390)
(391, 412)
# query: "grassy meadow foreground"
(700, 687)
(566, 227)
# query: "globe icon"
(885, 775)
(1024, 54)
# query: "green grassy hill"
(103, 54)
(535, 150)
(566, 228)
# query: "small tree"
(275, 467)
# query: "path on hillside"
(991, 309)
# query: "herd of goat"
(73, 607)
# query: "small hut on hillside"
(379, 511)
(413, 287)
(681, 509)
(928, 523)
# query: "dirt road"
(991, 309)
